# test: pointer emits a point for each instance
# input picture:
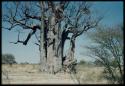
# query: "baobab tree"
(54, 21)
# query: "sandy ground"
(29, 74)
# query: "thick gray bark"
(50, 54)
(54, 50)
(52, 43)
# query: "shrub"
(8, 59)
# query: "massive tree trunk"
(51, 51)
(52, 43)
(54, 55)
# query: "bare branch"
(63, 4)
(31, 16)
(29, 36)
(18, 40)
(51, 5)
(37, 38)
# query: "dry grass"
(90, 75)
(30, 74)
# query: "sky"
(113, 15)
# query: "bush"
(82, 62)
(24, 63)
(8, 59)
(97, 63)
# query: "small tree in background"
(109, 51)
(82, 62)
(8, 59)
(24, 63)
